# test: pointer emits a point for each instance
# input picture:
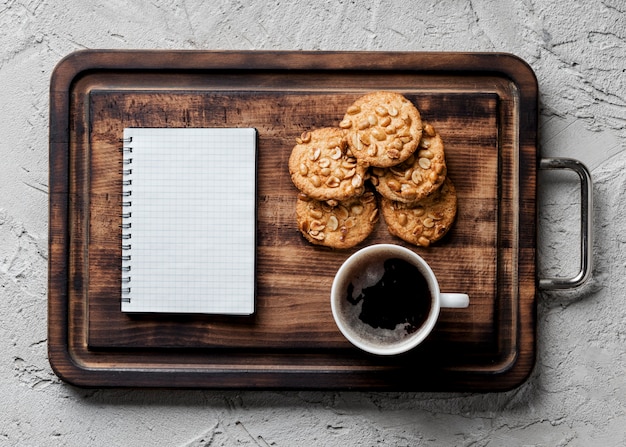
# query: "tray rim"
(70, 68)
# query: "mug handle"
(456, 300)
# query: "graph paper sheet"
(189, 215)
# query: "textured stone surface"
(577, 393)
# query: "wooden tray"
(483, 105)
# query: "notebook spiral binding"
(126, 225)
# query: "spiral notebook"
(189, 220)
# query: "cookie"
(340, 226)
(321, 167)
(382, 128)
(418, 176)
(425, 222)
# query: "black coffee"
(401, 296)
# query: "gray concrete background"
(576, 396)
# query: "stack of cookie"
(381, 145)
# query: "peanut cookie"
(382, 128)
(341, 226)
(321, 166)
(416, 177)
(425, 222)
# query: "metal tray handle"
(586, 224)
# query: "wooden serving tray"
(483, 105)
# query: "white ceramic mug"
(364, 269)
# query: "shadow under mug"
(364, 269)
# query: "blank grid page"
(192, 220)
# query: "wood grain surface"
(484, 107)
